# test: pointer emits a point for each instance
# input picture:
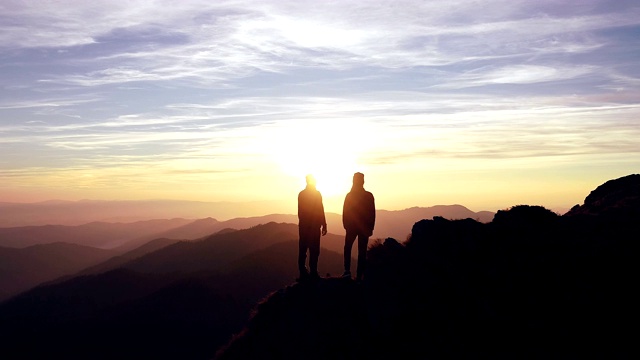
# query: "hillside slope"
(21, 269)
(125, 313)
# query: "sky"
(487, 104)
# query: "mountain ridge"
(128, 236)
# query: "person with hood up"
(358, 219)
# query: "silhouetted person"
(311, 221)
(358, 219)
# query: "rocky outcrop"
(615, 198)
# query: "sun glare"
(326, 150)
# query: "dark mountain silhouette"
(87, 317)
(322, 320)
(97, 234)
(21, 269)
(130, 314)
(530, 284)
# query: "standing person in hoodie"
(311, 222)
(358, 219)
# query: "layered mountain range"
(527, 283)
(30, 255)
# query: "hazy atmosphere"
(488, 104)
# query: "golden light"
(329, 150)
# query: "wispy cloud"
(516, 74)
(192, 84)
(226, 40)
(43, 103)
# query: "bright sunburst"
(329, 151)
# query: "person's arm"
(372, 213)
(345, 208)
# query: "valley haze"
(58, 212)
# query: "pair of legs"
(363, 241)
(309, 240)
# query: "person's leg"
(302, 250)
(349, 238)
(314, 250)
(363, 242)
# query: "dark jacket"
(359, 211)
(310, 208)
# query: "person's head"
(358, 179)
(311, 181)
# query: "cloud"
(216, 42)
(43, 103)
(516, 74)
(184, 85)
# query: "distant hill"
(75, 213)
(124, 237)
(21, 269)
(96, 234)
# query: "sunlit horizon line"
(291, 202)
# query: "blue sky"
(484, 103)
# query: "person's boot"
(304, 275)
(314, 275)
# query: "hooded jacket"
(359, 211)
